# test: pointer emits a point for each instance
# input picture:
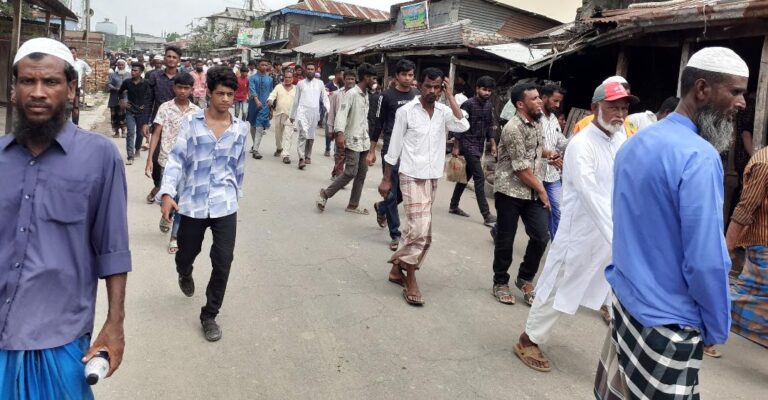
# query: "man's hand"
(494, 151)
(258, 103)
(145, 131)
(455, 149)
(447, 87)
(112, 338)
(384, 187)
(149, 167)
(292, 120)
(371, 158)
(167, 205)
(269, 103)
(544, 199)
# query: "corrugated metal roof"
(329, 44)
(516, 52)
(339, 8)
(678, 11)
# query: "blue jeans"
(388, 206)
(555, 194)
(134, 123)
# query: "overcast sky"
(154, 16)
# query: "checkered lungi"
(750, 297)
(418, 197)
(660, 363)
(117, 117)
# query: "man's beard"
(715, 127)
(28, 132)
(612, 128)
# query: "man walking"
(260, 86)
(336, 99)
(205, 170)
(471, 144)
(351, 126)
(83, 69)
(64, 227)
(552, 97)
(332, 86)
(199, 91)
(418, 143)
(574, 271)
(306, 111)
(242, 93)
(160, 91)
(116, 111)
(520, 194)
(136, 110)
(281, 101)
(671, 298)
(391, 100)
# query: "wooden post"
(14, 46)
(622, 63)
(685, 54)
(761, 114)
(62, 29)
(386, 67)
(47, 24)
(452, 71)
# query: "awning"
(330, 44)
(55, 7)
(516, 52)
(280, 43)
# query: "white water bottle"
(97, 367)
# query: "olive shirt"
(520, 147)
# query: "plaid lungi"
(117, 117)
(750, 297)
(660, 363)
(418, 196)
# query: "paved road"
(309, 313)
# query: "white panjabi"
(44, 46)
(719, 59)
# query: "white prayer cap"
(158, 57)
(617, 79)
(719, 59)
(44, 46)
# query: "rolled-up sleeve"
(706, 260)
(109, 230)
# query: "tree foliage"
(172, 37)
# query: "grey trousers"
(256, 134)
(355, 167)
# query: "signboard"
(415, 16)
(249, 37)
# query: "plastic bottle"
(97, 367)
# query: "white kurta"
(306, 106)
(582, 246)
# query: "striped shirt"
(752, 210)
(553, 139)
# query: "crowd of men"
(634, 217)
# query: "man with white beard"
(574, 271)
(670, 264)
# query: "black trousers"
(475, 171)
(190, 239)
(535, 218)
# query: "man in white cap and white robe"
(64, 227)
(574, 271)
(669, 271)
(305, 113)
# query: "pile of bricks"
(97, 80)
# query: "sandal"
(358, 211)
(527, 289)
(525, 354)
(398, 281)
(414, 300)
(165, 226)
(712, 351)
(381, 219)
(394, 243)
(173, 247)
(458, 211)
(321, 201)
(150, 199)
(503, 294)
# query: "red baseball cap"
(612, 91)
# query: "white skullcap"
(44, 46)
(719, 59)
(158, 57)
(617, 79)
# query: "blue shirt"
(63, 225)
(670, 263)
(206, 173)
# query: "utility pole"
(87, 24)
(125, 35)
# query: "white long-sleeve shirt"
(309, 94)
(418, 141)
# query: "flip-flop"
(358, 211)
(173, 247)
(394, 243)
(321, 201)
(399, 281)
(164, 226)
(381, 219)
(150, 199)
(413, 302)
(530, 352)
(712, 351)
(458, 211)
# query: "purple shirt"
(64, 225)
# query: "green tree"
(172, 37)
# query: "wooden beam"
(443, 52)
(452, 71)
(385, 61)
(761, 111)
(47, 24)
(62, 29)
(685, 54)
(622, 63)
(484, 65)
(14, 46)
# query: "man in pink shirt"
(199, 90)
